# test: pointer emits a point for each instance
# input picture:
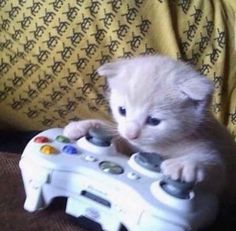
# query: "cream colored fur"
(194, 145)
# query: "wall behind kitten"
(49, 53)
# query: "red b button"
(41, 139)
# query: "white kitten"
(161, 105)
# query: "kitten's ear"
(110, 69)
(197, 88)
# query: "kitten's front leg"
(77, 129)
(208, 171)
(183, 169)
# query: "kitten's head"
(155, 99)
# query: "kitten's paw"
(183, 169)
(77, 129)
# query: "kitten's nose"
(131, 130)
(132, 135)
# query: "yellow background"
(50, 50)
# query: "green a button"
(62, 139)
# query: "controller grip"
(33, 184)
(34, 200)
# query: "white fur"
(194, 145)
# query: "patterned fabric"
(50, 50)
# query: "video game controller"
(109, 188)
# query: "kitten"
(161, 105)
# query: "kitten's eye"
(152, 121)
(122, 111)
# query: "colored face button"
(68, 149)
(41, 139)
(62, 139)
(48, 149)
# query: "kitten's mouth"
(132, 141)
(136, 142)
(140, 142)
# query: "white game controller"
(109, 188)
